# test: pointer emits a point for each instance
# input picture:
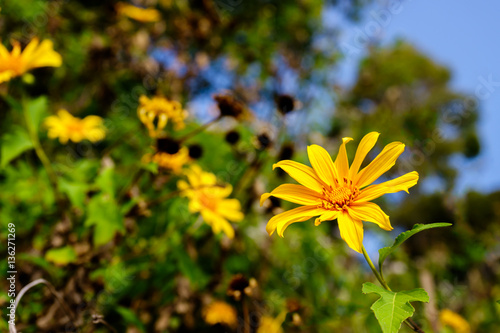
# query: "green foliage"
(61, 256)
(392, 308)
(386, 251)
(13, 144)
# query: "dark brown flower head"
(286, 152)
(229, 106)
(264, 141)
(167, 145)
(195, 151)
(293, 305)
(232, 137)
(237, 286)
(285, 103)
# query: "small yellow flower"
(35, 55)
(173, 162)
(209, 198)
(66, 127)
(333, 190)
(455, 321)
(138, 13)
(220, 312)
(160, 109)
(272, 325)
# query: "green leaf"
(75, 191)
(392, 308)
(36, 110)
(14, 144)
(498, 301)
(130, 318)
(104, 214)
(105, 181)
(385, 251)
(61, 256)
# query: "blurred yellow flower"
(35, 55)
(209, 198)
(272, 325)
(333, 190)
(220, 312)
(455, 321)
(66, 127)
(160, 109)
(138, 13)
(173, 162)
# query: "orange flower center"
(336, 198)
(207, 201)
(12, 64)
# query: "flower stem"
(409, 322)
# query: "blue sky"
(465, 37)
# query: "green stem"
(42, 156)
(409, 322)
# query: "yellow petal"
(364, 148)
(327, 216)
(322, 163)
(299, 214)
(383, 162)
(341, 162)
(370, 212)
(230, 209)
(301, 173)
(402, 183)
(217, 223)
(351, 231)
(294, 193)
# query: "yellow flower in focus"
(160, 109)
(138, 13)
(272, 325)
(333, 190)
(35, 55)
(66, 127)
(455, 321)
(220, 313)
(209, 198)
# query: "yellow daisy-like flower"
(220, 313)
(173, 162)
(209, 198)
(138, 13)
(160, 109)
(333, 190)
(455, 321)
(272, 325)
(66, 127)
(35, 55)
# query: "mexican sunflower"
(35, 55)
(333, 190)
(66, 127)
(208, 197)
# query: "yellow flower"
(209, 198)
(173, 162)
(162, 110)
(455, 321)
(333, 190)
(220, 313)
(272, 325)
(35, 55)
(138, 13)
(66, 127)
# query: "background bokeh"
(304, 72)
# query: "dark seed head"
(286, 152)
(167, 145)
(232, 137)
(264, 141)
(285, 103)
(195, 151)
(228, 106)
